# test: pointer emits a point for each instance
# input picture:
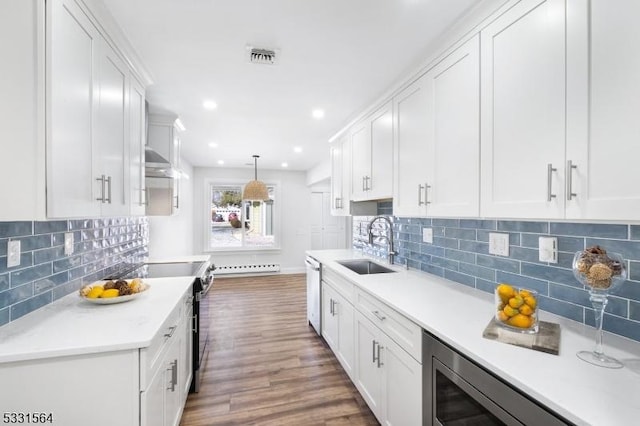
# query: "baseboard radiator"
(247, 269)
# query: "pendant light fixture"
(255, 190)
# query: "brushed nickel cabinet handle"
(108, 189)
(379, 315)
(380, 363)
(101, 179)
(420, 188)
(550, 170)
(373, 351)
(426, 195)
(569, 171)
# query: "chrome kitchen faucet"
(388, 237)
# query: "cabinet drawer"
(341, 285)
(151, 356)
(403, 331)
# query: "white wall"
(293, 202)
(171, 236)
(321, 171)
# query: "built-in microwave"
(457, 391)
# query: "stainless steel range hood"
(157, 166)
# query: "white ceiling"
(338, 55)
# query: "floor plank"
(266, 365)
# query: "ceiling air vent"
(262, 56)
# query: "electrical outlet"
(499, 244)
(427, 235)
(548, 249)
(13, 253)
(68, 243)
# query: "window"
(238, 224)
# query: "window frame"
(206, 215)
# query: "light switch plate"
(13, 253)
(427, 235)
(68, 243)
(548, 249)
(499, 244)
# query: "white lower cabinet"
(337, 324)
(378, 348)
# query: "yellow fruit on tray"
(526, 310)
(502, 316)
(520, 321)
(531, 302)
(509, 311)
(112, 292)
(516, 302)
(506, 292)
(95, 292)
(524, 293)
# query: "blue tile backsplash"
(45, 273)
(460, 252)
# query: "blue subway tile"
(503, 264)
(462, 234)
(438, 231)
(29, 305)
(486, 286)
(67, 263)
(15, 229)
(519, 281)
(514, 238)
(634, 271)
(50, 227)
(478, 224)
(36, 242)
(14, 295)
(474, 246)
(467, 280)
(568, 244)
(634, 310)
(67, 288)
(622, 326)
(549, 273)
(26, 260)
(432, 250)
(462, 256)
(596, 230)
(522, 226)
(4, 282)
(478, 271)
(48, 255)
(565, 260)
(451, 223)
(30, 274)
(617, 306)
(559, 307)
(634, 232)
(445, 263)
(629, 290)
(426, 267)
(48, 283)
(4, 316)
(521, 253)
(577, 296)
(80, 224)
(445, 242)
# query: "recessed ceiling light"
(213, 145)
(221, 162)
(318, 113)
(297, 149)
(209, 105)
(285, 165)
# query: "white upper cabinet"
(523, 111)
(603, 138)
(372, 156)
(340, 180)
(72, 44)
(111, 152)
(410, 149)
(453, 136)
(137, 140)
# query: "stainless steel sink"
(364, 267)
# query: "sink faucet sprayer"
(388, 237)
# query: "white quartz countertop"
(73, 326)
(457, 314)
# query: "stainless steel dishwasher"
(457, 391)
(313, 294)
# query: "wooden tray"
(547, 339)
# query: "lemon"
(510, 311)
(516, 302)
(95, 292)
(531, 302)
(502, 316)
(506, 292)
(526, 310)
(520, 321)
(112, 292)
(524, 293)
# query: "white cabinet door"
(410, 149)
(172, 398)
(604, 84)
(368, 374)
(111, 134)
(523, 111)
(340, 177)
(152, 400)
(346, 347)
(72, 44)
(381, 134)
(402, 385)
(360, 160)
(453, 138)
(329, 319)
(137, 139)
(186, 356)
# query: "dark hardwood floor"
(266, 366)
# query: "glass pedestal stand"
(597, 357)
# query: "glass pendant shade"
(255, 190)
